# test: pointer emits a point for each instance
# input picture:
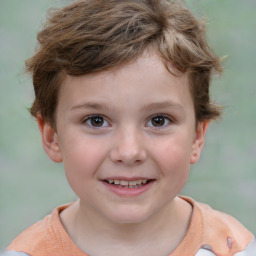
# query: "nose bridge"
(128, 146)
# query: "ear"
(198, 142)
(49, 140)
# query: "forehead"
(143, 81)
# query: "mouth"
(128, 184)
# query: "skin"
(144, 128)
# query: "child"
(122, 99)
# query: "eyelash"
(105, 123)
(165, 118)
(90, 118)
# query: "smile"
(128, 187)
(128, 184)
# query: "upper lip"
(127, 178)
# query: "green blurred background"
(31, 185)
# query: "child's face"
(135, 124)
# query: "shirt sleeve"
(250, 250)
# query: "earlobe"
(49, 140)
(198, 141)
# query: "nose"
(128, 147)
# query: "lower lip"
(128, 192)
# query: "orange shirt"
(223, 234)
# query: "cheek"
(82, 158)
(176, 167)
(174, 153)
(174, 164)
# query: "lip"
(127, 178)
(128, 192)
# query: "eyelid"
(168, 117)
(85, 119)
(162, 115)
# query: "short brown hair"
(93, 35)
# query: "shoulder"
(250, 250)
(43, 238)
(221, 233)
(29, 239)
(216, 224)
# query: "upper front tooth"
(133, 183)
(124, 182)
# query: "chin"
(129, 216)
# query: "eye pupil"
(158, 121)
(97, 121)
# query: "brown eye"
(159, 121)
(96, 121)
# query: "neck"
(162, 231)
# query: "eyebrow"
(162, 105)
(90, 105)
(150, 107)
